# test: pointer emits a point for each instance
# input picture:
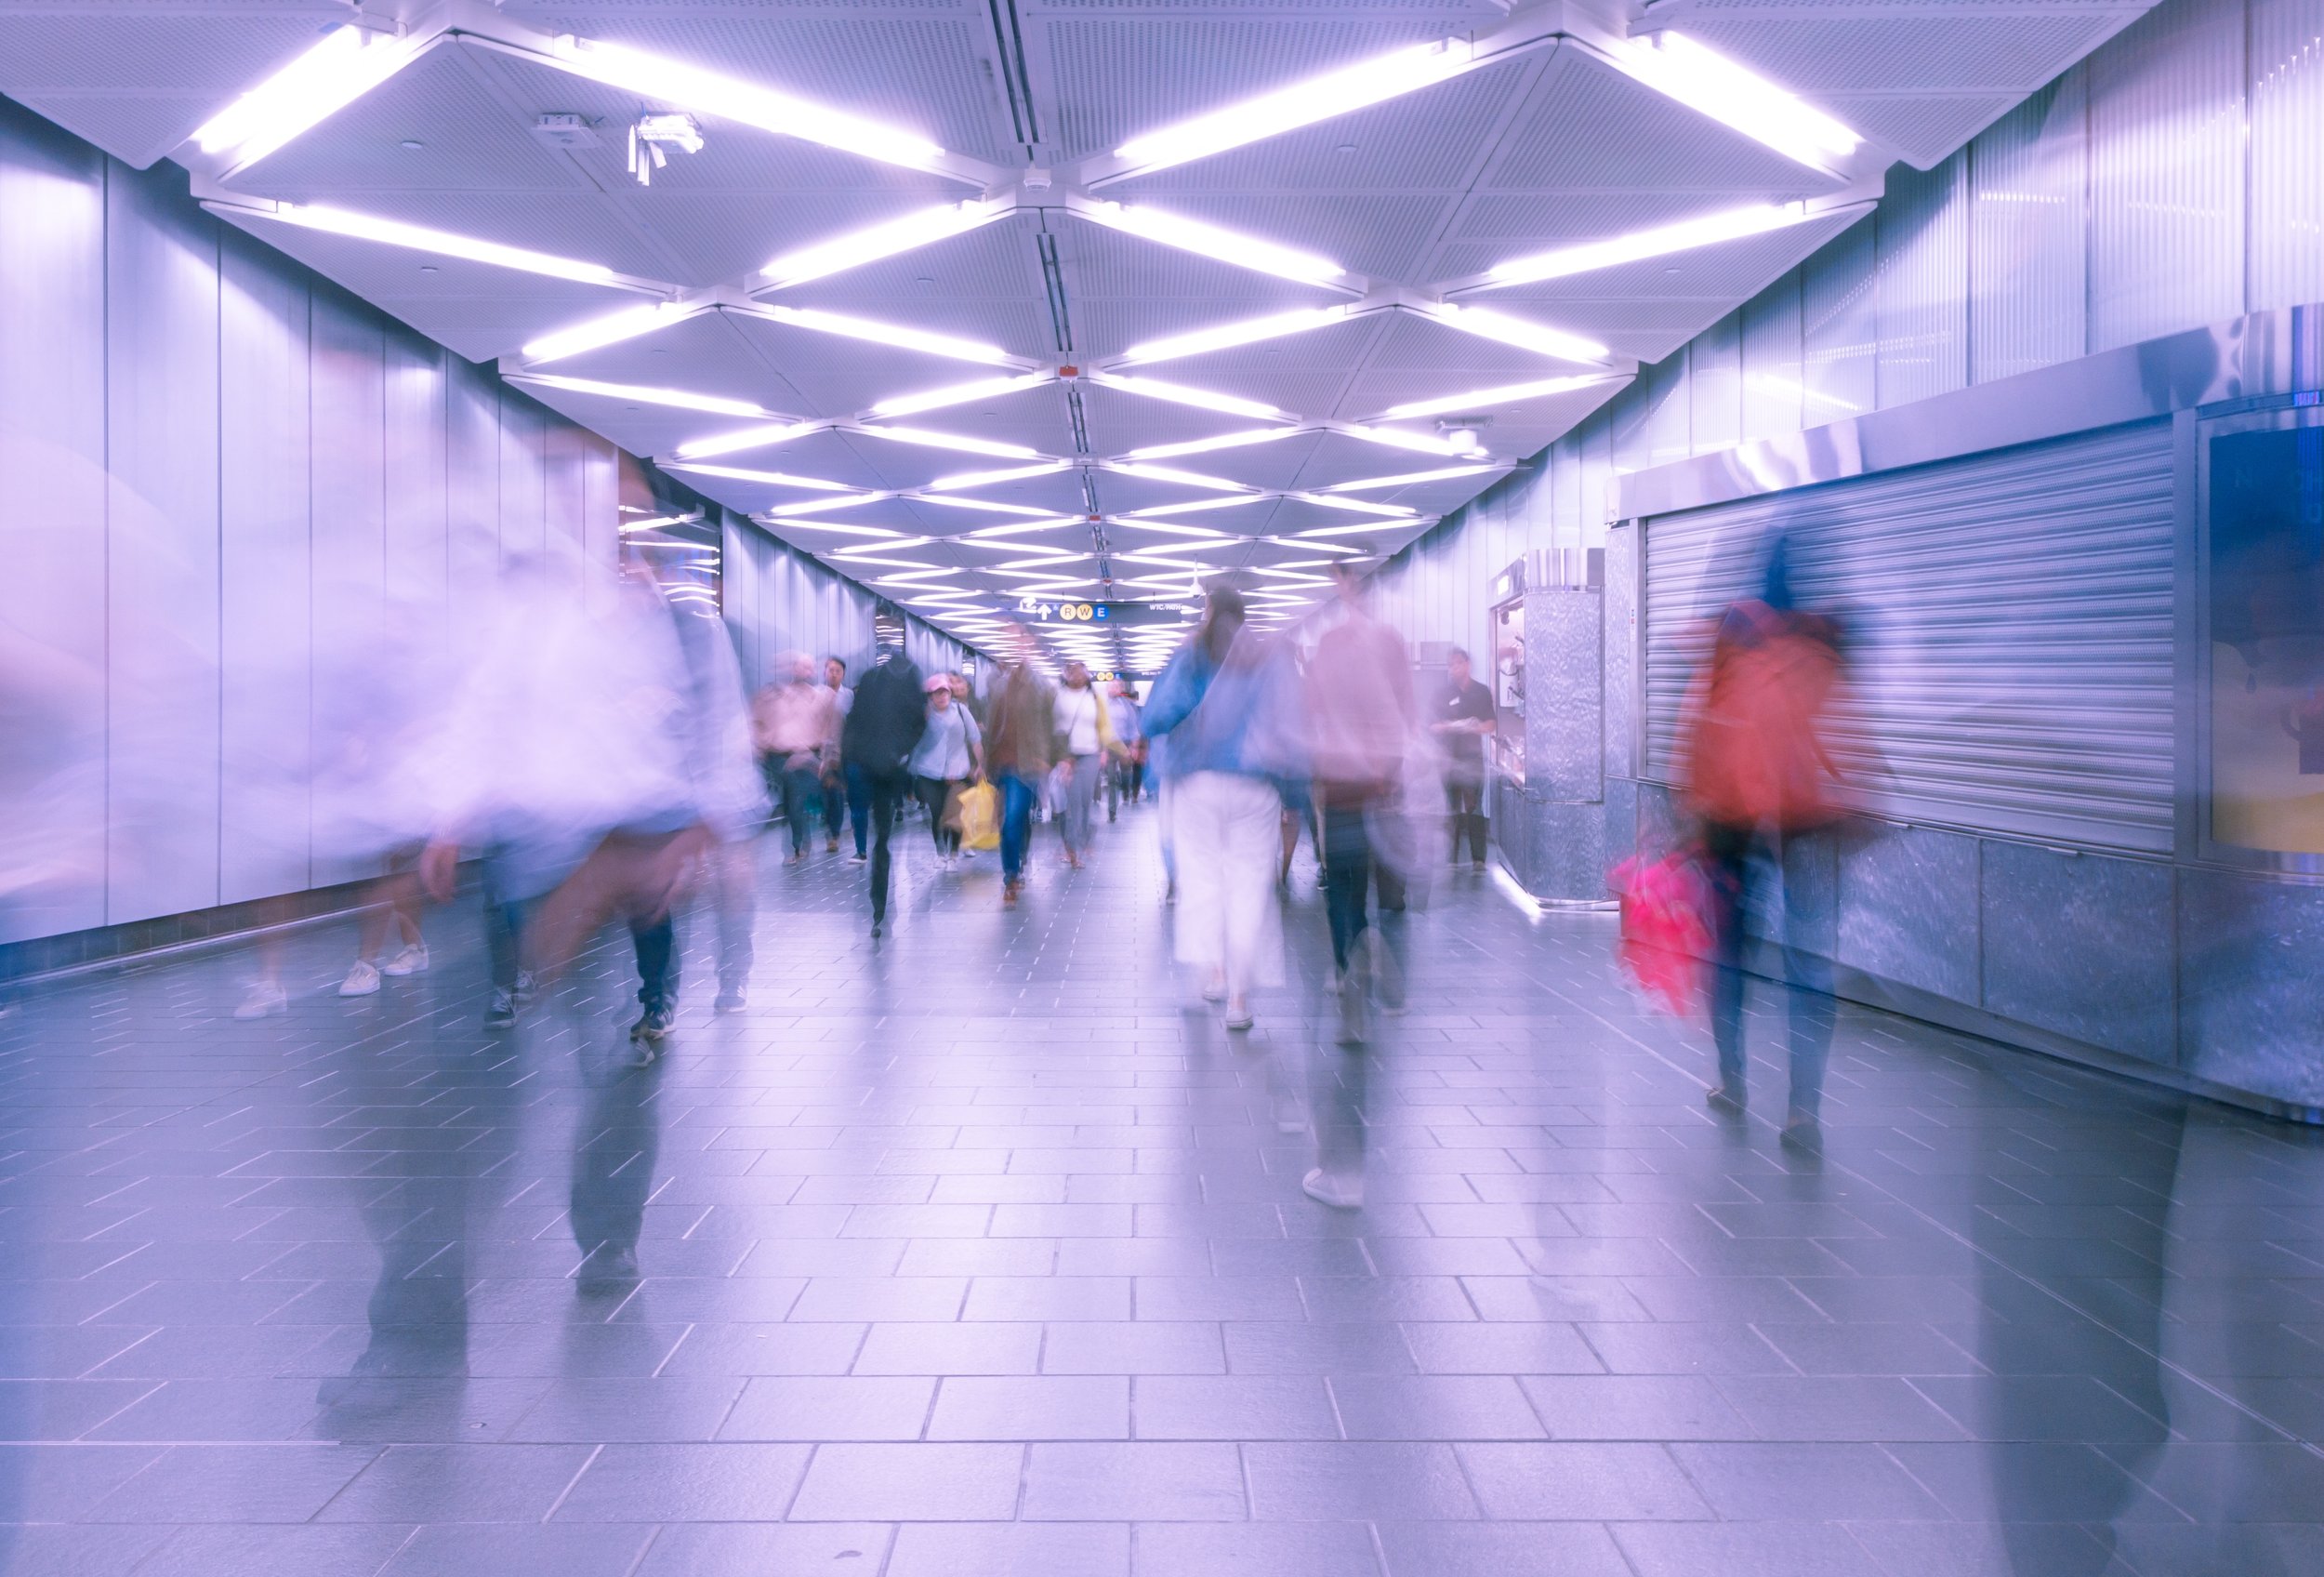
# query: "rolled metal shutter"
(2009, 620)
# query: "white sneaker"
(361, 981)
(412, 960)
(1339, 1192)
(265, 997)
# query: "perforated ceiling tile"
(1113, 77)
(1733, 271)
(1116, 421)
(92, 72)
(1642, 330)
(580, 225)
(1588, 127)
(1121, 495)
(1430, 140)
(925, 69)
(1273, 466)
(723, 236)
(840, 376)
(1000, 261)
(821, 456)
(1379, 235)
(1969, 52)
(1926, 130)
(1511, 223)
(705, 354)
(1102, 263)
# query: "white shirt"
(1078, 713)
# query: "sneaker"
(859, 857)
(411, 960)
(831, 846)
(1290, 1116)
(361, 981)
(730, 1000)
(502, 1013)
(1009, 892)
(1339, 1192)
(655, 1025)
(524, 987)
(1725, 1098)
(877, 926)
(1238, 1016)
(1214, 990)
(608, 1269)
(1802, 1132)
(264, 997)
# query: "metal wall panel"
(2029, 234)
(162, 604)
(1714, 377)
(471, 491)
(2167, 174)
(2010, 625)
(1922, 237)
(1773, 346)
(348, 472)
(523, 479)
(2287, 151)
(1839, 328)
(265, 613)
(52, 452)
(418, 574)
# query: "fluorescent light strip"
(868, 245)
(439, 243)
(896, 545)
(987, 535)
(1211, 240)
(1711, 84)
(897, 335)
(598, 332)
(930, 440)
(1506, 394)
(771, 478)
(1368, 525)
(789, 523)
(959, 394)
(1139, 517)
(989, 478)
(1392, 438)
(1226, 336)
(1182, 477)
(1180, 394)
(1443, 473)
(957, 502)
(1486, 324)
(1223, 441)
(643, 394)
(711, 93)
(1660, 242)
(846, 501)
(1303, 103)
(1354, 506)
(1171, 529)
(748, 438)
(868, 558)
(348, 63)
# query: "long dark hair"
(1223, 619)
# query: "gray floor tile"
(1382, 1481)
(1024, 1549)
(1032, 1406)
(1500, 1549)
(690, 1483)
(946, 1482)
(1248, 1549)
(1138, 1481)
(822, 1406)
(1233, 1407)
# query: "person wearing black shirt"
(889, 715)
(1462, 718)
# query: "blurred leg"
(1347, 857)
(1807, 949)
(734, 887)
(1016, 824)
(858, 799)
(656, 945)
(1728, 854)
(884, 792)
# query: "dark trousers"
(1464, 801)
(1018, 796)
(1742, 862)
(935, 794)
(855, 784)
(799, 798)
(656, 945)
(885, 790)
(613, 1160)
(833, 790)
(1351, 867)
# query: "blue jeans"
(1742, 862)
(1018, 796)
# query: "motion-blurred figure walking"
(794, 724)
(1757, 776)
(949, 758)
(1021, 736)
(1085, 738)
(1464, 716)
(888, 717)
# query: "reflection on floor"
(980, 1250)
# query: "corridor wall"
(222, 470)
(778, 599)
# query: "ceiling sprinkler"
(652, 135)
(1461, 431)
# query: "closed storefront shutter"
(2008, 619)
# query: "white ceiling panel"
(1550, 147)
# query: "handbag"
(979, 808)
(1665, 929)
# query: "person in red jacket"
(1757, 776)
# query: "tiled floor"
(979, 1250)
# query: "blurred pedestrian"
(888, 717)
(792, 724)
(1085, 737)
(1018, 751)
(1128, 763)
(1361, 720)
(1229, 702)
(949, 757)
(1757, 776)
(846, 795)
(1462, 719)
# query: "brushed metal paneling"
(161, 745)
(1772, 352)
(52, 452)
(2287, 151)
(471, 490)
(1714, 377)
(418, 574)
(2081, 946)
(266, 667)
(347, 468)
(1620, 633)
(2250, 996)
(2010, 622)
(2029, 234)
(1922, 237)
(2167, 175)
(523, 485)
(1839, 328)
(1909, 908)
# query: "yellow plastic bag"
(979, 807)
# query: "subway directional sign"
(1035, 610)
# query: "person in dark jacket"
(889, 715)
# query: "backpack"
(888, 716)
(1754, 747)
